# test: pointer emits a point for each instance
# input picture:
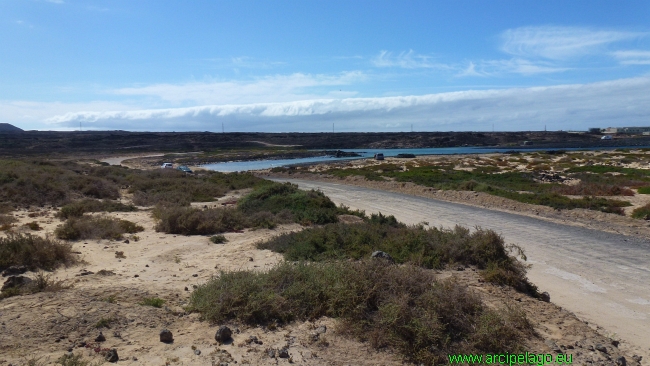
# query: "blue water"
(239, 166)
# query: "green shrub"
(307, 207)
(429, 248)
(642, 212)
(400, 307)
(644, 190)
(218, 239)
(152, 301)
(34, 252)
(78, 208)
(96, 227)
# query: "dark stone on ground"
(283, 353)
(223, 334)
(112, 356)
(166, 336)
(322, 329)
(620, 361)
(14, 270)
(126, 241)
(15, 281)
(601, 348)
(197, 352)
(100, 338)
(544, 296)
(615, 343)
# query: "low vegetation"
(96, 227)
(170, 187)
(306, 207)
(595, 179)
(78, 208)
(6, 222)
(265, 207)
(218, 239)
(41, 182)
(34, 252)
(644, 190)
(400, 307)
(642, 212)
(417, 245)
(152, 301)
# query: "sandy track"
(602, 277)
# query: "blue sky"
(305, 65)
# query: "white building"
(627, 130)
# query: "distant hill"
(6, 127)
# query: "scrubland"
(130, 252)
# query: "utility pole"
(222, 130)
(332, 128)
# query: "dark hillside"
(6, 127)
(122, 142)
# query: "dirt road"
(603, 278)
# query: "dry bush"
(194, 221)
(7, 219)
(34, 252)
(400, 307)
(96, 227)
(33, 226)
(593, 189)
(43, 282)
(78, 208)
(170, 187)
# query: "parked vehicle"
(185, 169)
(607, 137)
(379, 156)
(167, 166)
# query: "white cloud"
(407, 60)
(633, 57)
(511, 66)
(279, 88)
(29, 115)
(619, 102)
(561, 43)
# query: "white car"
(167, 166)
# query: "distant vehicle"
(185, 169)
(167, 166)
(379, 156)
(608, 137)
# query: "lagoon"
(238, 166)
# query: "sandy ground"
(603, 277)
